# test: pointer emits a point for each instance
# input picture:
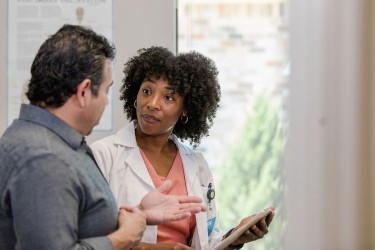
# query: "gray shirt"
(52, 195)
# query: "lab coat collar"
(126, 138)
(126, 135)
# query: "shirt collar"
(46, 119)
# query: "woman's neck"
(152, 143)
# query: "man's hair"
(64, 60)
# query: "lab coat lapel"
(134, 160)
(190, 169)
(195, 188)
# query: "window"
(249, 42)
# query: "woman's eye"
(146, 91)
(169, 98)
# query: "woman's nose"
(154, 103)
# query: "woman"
(167, 98)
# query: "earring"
(184, 119)
(135, 104)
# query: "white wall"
(138, 24)
(331, 163)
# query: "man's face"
(97, 105)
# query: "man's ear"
(83, 92)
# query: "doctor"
(168, 98)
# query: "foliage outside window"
(252, 176)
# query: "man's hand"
(161, 208)
(131, 225)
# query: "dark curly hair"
(65, 59)
(154, 62)
(195, 78)
(192, 75)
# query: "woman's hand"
(161, 246)
(255, 232)
(161, 208)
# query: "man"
(52, 194)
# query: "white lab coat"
(119, 159)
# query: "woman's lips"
(150, 118)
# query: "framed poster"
(30, 23)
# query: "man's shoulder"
(22, 135)
(27, 150)
(16, 136)
(24, 141)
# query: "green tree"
(252, 176)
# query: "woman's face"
(158, 107)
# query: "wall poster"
(30, 23)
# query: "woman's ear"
(83, 92)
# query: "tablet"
(235, 234)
